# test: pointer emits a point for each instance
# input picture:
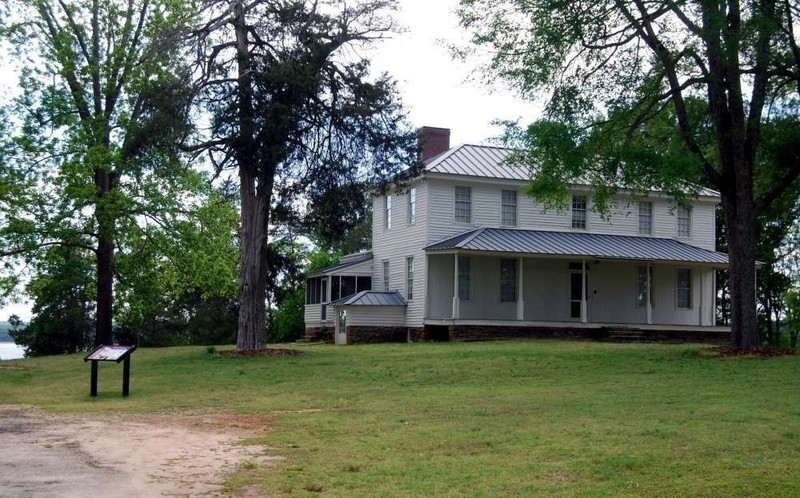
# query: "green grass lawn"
(521, 418)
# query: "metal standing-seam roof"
(371, 298)
(485, 161)
(346, 261)
(571, 244)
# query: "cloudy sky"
(437, 90)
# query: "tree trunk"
(252, 271)
(105, 261)
(740, 216)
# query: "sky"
(435, 89)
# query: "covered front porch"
(576, 282)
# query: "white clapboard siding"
(398, 243)
(376, 316)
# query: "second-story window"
(645, 217)
(684, 221)
(387, 215)
(579, 211)
(463, 205)
(410, 278)
(412, 206)
(508, 206)
(386, 276)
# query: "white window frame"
(683, 221)
(386, 275)
(387, 212)
(410, 278)
(412, 206)
(579, 213)
(645, 218)
(463, 199)
(680, 303)
(508, 208)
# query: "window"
(683, 288)
(641, 287)
(388, 213)
(684, 221)
(508, 280)
(410, 278)
(463, 205)
(645, 218)
(412, 206)
(347, 285)
(386, 276)
(463, 278)
(508, 208)
(579, 211)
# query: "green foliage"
(63, 320)
(287, 322)
(792, 298)
(303, 121)
(656, 95)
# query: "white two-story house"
(460, 252)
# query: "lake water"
(10, 351)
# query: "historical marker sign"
(111, 353)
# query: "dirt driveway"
(66, 456)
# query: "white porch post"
(456, 300)
(700, 304)
(520, 300)
(584, 307)
(649, 305)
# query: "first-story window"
(410, 278)
(386, 276)
(508, 280)
(463, 278)
(642, 287)
(579, 211)
(683, 288)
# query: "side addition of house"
(460, 253)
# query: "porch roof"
(346, 262)
(371, 298)
(575, 244)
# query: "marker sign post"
(111, 353)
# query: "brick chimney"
(433, 141)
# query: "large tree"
(296, 114)
(611, 66)
(102, 104)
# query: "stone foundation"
(490, 332)
(319, 334)
(357, 334)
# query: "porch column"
(520, 300)
(649, 304)
(456, 300)
(700, 304)
(584, 307)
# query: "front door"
(575, 287)
(341, 327)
